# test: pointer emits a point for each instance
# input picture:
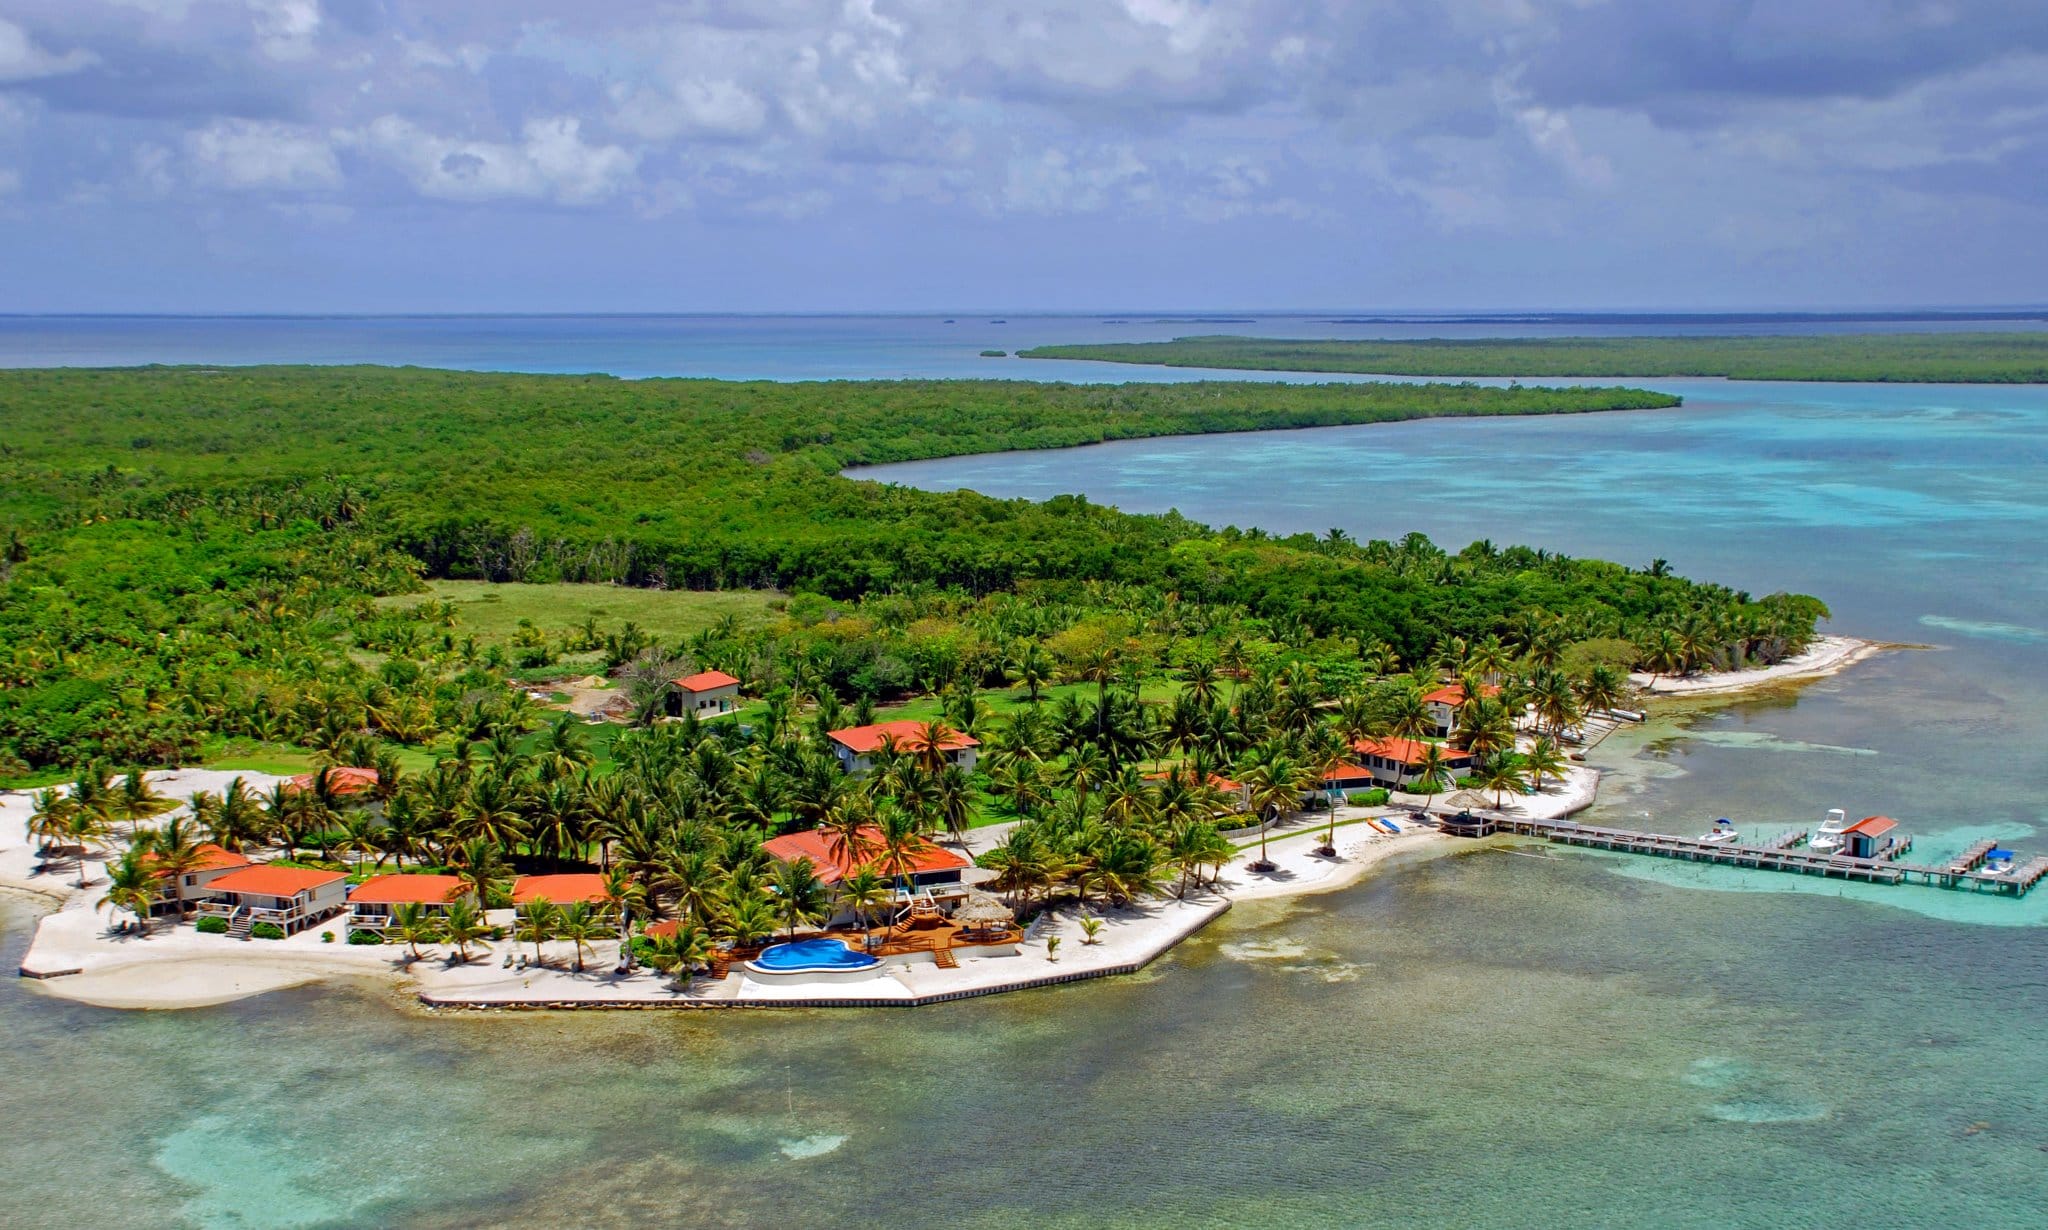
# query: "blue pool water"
(806, 956)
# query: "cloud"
(22, 60)
(553, 162)
(256, 154)
(285, 29)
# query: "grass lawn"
(492, 610)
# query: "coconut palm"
(132, 885)
(695, 879)
(1432, 772)
(538, 922)
(462, 925)
(800, 897)
(748, 920)
(865, 890)
(136, 801)
(236, 820)
(1501, 774)
(682, 952)
(580, 925)
(83, 828)
(1275, 780)
(1033, 668)
(1543, 759)
(48, 823)
(412, 925)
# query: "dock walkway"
(1783, 853)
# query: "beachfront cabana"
(292, 898)
(195, 883)
(982, 915)
(1398, 762)
(559, 890)
(707, 693)
(372, 903)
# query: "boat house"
(1870, 837)
(856, 745)
(707, 693)
(292, 898)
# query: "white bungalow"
(372, 903)
(175, 894)
(293, 898)
(708, 693)
(856, 745)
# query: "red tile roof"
(341, 780)
(585, 886)
(1348, 773)
(1405, 751)
(817, 847)
(865, 739)
(268, 880)
(1453, 694)
(211, 858)
(1873, 826)
(400, 889)
(704, 681)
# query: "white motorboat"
(1828, 838)
(1997, 863)
(1722, 832)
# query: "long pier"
(1783, 853)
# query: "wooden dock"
(1784, 853)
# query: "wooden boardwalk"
(1783, 853)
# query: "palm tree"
(1543, 759)
(1501, 774)
(137, 801)
(579, 924)
(83, 827)
(683, 951)
(1410, 718)
(236, 821)
(1433, 771)
(48, 823)
(413, 926)
(132, 885)
(864, 890)
(799, 896)
(462, 925)
(1275, 780)
(897, 833)
(1033, 668)
(539, 921)
(1603, 688)
(695, 880)
(748, 920)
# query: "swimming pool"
(812, 956)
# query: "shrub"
(365, 937)
(266, 931)
(212, 924)
(327, 937)
(1376, 797)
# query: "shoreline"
(1828, 655)
(74, 956)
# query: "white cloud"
(552, 162)
(285, 29)
(253, 154)
(22, 60)
(717, 107)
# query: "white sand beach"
(1827, 656)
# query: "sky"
(885, 155)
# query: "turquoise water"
(1494, 1039)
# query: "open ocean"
(1486, 1039)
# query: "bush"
(327, 937)
(266, 931)
(212, 924)
(1376, 797)
(365, 937)
(643, 950)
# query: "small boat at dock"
(1828, 838)
(1723, 831)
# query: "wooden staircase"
(943, 958)
(239, 924)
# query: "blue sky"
(789, 155)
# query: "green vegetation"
(498, 612)
(266, 931)
(212, 924)
(1995, 358)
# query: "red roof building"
(211, 858)
(1453, 694)
(341, 779)
(834, 865)
(407, 890)
(1407, 751)
(1871, 837)
(864, 740)
(270, 880)
(1873, 826)
(705, 681)
(587, 887)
